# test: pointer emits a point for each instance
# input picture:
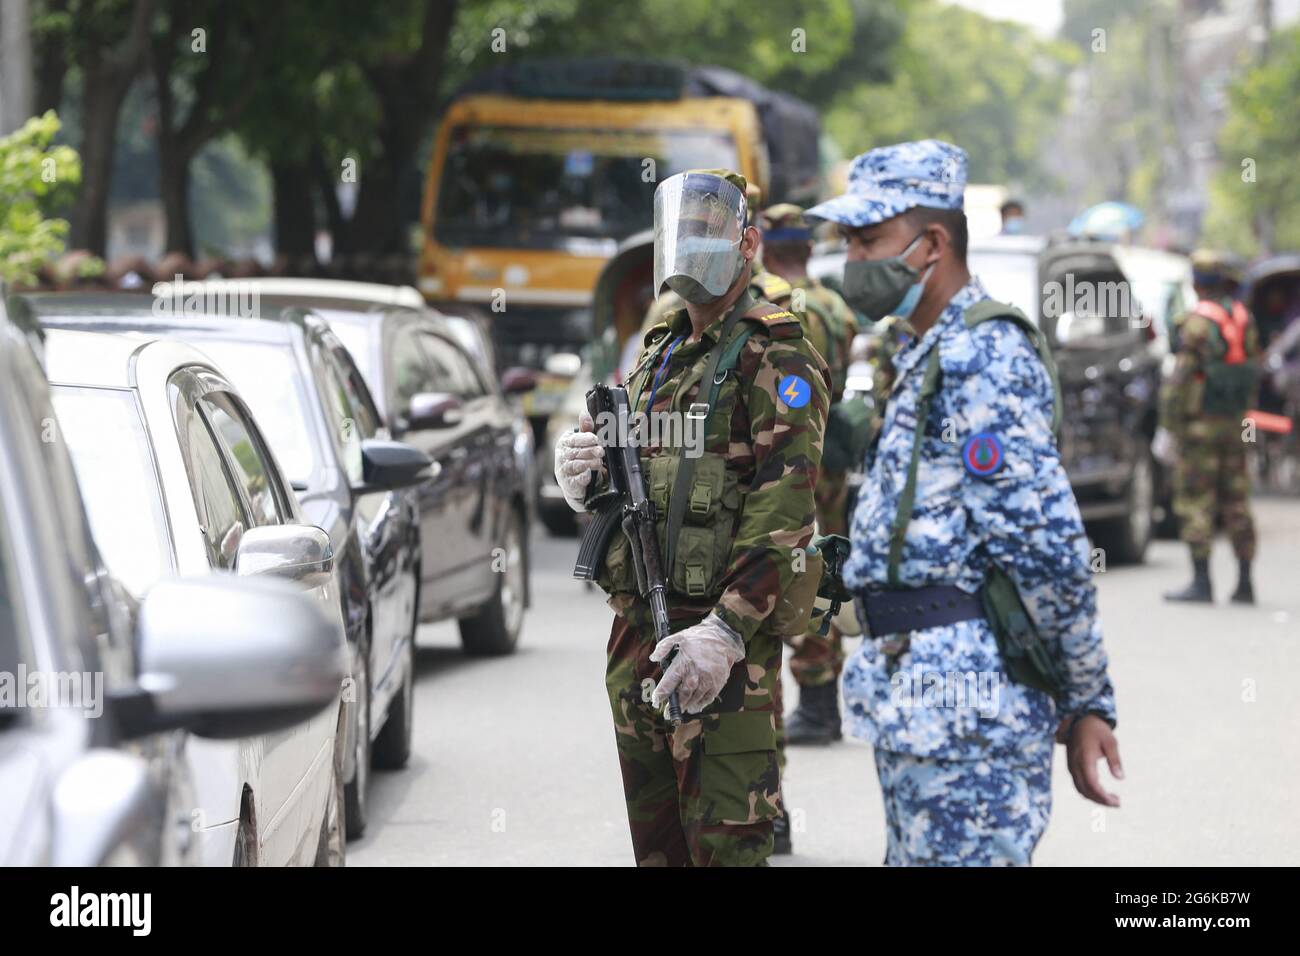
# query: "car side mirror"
(293, 552)
(518, 380)
(226, 657)
(393, 465)
(433, 410)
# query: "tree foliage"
(35, 178)
(1255, 200)
(992, 87)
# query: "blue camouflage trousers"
(986, 812)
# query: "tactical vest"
(698, 500)
(1229, 378)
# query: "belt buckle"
(698, 411)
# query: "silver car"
(178, 480)
(101, 691)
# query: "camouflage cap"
(730, 176)
(1211, 264)
(886, 182)
(784, 222)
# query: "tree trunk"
(103, 103)
(295, 214)
(174, 184)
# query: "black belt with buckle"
(915, 609)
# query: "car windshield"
(1008, 277)
(114, 464)
(579, 190)
(266, 376)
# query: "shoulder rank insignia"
(779, 323)
(982, 454)
(772, 286)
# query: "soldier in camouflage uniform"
(830, 326)
(965, 774)
(1201, 415)
(887, 338)
(706, 792)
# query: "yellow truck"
(540, 168)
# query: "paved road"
(514, 758)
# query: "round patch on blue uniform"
(982, 454)
(794, 391)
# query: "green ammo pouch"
(848, 428)
(1024, 655)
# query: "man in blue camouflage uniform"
(964, 756)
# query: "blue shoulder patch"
(982, 455)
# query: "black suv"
(1086, 299)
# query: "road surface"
(514, 759)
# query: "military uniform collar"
(957, 353)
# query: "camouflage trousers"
(986, 812)
(1211, 482)
(703, 793)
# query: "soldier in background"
(1202, 427)
(829, 324)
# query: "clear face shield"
(699, 222)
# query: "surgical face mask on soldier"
(690, 289)
(881, 287)
(698, 250)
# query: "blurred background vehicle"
(434, 385)
(340, 473)
(151, 486)
(1090, 298)
(623, 292)
(540, 168)
(1272, 292)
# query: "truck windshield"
(580, 190)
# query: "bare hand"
(1091, 740)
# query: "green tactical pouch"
(703, 545)
(794, 606)
(1229, 389)
(848, 428)
(1024, 655)
(618, 575)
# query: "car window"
(412, 372)
(341, 417)
(452, 370)
(221, 513)
(364, 413)
(355, 338)
(115, 471)
(253, 466)
(267, 378)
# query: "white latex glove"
(706, 653)
(1164, 447)
(576, 453)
